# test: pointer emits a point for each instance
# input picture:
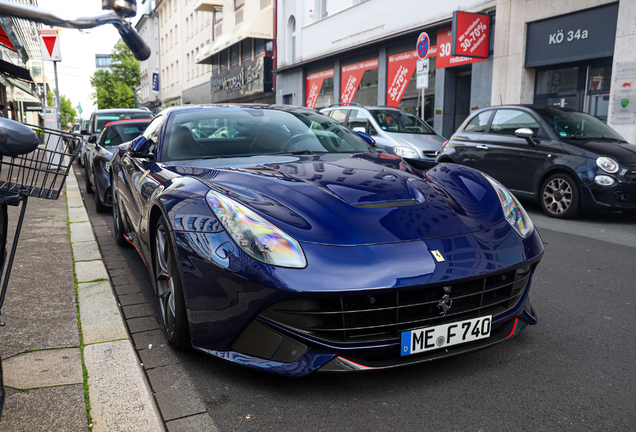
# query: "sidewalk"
(68, 362)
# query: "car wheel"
(87, 178)
(101, 208)
(118, 223)
(174, 320)
(560, 196)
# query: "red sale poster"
(444, 57)
(400, 70)
(314, 85)
(350, 78)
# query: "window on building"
(234, 55)
(323, 8)
(187, 31)
(177, 70)
(259, 47)
(200, 19)
(215, 63)
(238, 4)
(224, 59)
(188, 66)
(176, 34)
(171, 41)
(172, 73)
(218, 17)
(292, 39)
(207, 18)
(175, 5)
(265, 3)
(246, 50)
(196, 54)
(196, 22)
(269, 47)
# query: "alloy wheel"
(165, 282)
(557, 195)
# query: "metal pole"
(422, 111)
(57, 98)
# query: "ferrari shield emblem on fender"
(438, 256)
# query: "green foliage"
(115, 89)
(68, 112)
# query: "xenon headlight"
(512, 209)
(405, 152)
(608, 165)
(256, 236)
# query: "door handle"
(482, 147)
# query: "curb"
(119, 395)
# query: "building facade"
(354, 51)
(198, 33)
(577, 54)
(240, 55)
(149, 94)
(171, 50)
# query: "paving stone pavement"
(69, 363)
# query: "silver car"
(393, 129)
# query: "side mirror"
(527, 134)
(359, 129)
(366, 138)
(92, 139)
(16, 138)
(84, 132)
(140, 148)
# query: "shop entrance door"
(462, 96)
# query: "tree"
(66, 108)
(115, 89)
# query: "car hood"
(420, 141)
(344, 199)
(622, 152)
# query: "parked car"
(100, 118)
(567, 160)
(83, 125)
(287, 243)
(393, 129)
(99, 153)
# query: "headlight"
(405, 152)
(257, 237)
(608, 165)
(513, 211)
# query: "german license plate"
(445, 335)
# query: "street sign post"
(50, 47)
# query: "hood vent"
(388, 204)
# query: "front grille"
(430, 154)
(381, 317)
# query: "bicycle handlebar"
(133, 40)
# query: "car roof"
(121, 111)
(114, 122)
(237, 106)
(528, 106)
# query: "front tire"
(174, 320)
(118, 223)
(560, 196)
(101, 208)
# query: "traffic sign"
(50, 45)
(422, 74)
(423, 45)
(155, 82)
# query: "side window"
(339, 115)
(372, 130)
(507, 121)
(152, 132)
(357, 119)
(108, 136)
(478, 123)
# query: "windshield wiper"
(297, 152)
(610, 139)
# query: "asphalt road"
(574, 371)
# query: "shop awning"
(261, 27)
(15, 71)
(22, 92)
(4, 39)
(208, 5)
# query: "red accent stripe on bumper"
(513, 328)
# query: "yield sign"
(50, 45)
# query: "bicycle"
(28, 168)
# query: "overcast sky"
(78, 50)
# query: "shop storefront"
(249, 82)
(573, 57)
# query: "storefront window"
(558, 87)
(234, 55)
(359, 83)
(402, 88)
(598, 91)
(259, 47)
(224, 59)
(319, 89)
(246, 49)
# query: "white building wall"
(197, 32)
(171, 50)
(148, 28)
(350, 22)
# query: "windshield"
(400, 122)
(103, 120)
(120, 133)
(577, 125)
(235, 132)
